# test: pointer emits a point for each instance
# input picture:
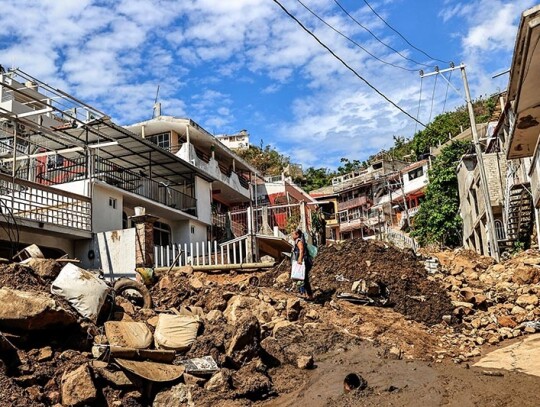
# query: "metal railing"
(31, 201)
(130, 181)
(201, 253)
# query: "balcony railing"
(352, 203)
(112, 174)
(27, 200)
(130, 181)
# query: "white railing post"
(209, 252)
(203, 253)
(197, 251)
(185, 255)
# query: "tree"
(349, 166)
(315, 178)
(438, 220)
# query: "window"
(162, 140)
(112, 202)
(162, 234)
(499, 230)
(416, 173)
(193, 230)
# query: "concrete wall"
(117, 252)
(27, 238)
(105, 217)
(81, 187)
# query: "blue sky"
(244, 64)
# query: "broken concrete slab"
(31, 311)
(239, 305)
(522, 356)
(179, 395)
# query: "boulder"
(78, 387)
(214, 315)
(283, 278)
(293, 309)
(31, 310)
(244, 344)
(239, 305)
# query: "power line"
(353, 41)
(378, 39)
(433, 98)
(398, 33)
(347, 66)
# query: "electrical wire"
(398, 33)
(378, 39)
(348, 66)
(354, 42)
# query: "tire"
(126, 284)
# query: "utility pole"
(490, 221)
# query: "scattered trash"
(204, 365)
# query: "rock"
(529, 329)
(78, 387)
(517, 310)
(196, 283)
(395, 353)
(526, 275)
(179, 395)
(274, 352)
(252, 382)
(153, 321)
(494, 339)
(476, 323)
(53, 397)
(239, 305)
(217, 383)
(283, 278)
(286, 332)
(244, 343)
(506, 321)
(192, 380)
(305, 362)
(479, 340)
(165, 283)
(31, 310)
(45, 354)
(527, 299)
(117, 377)
(45, 268)
(293, 309)
(214, 315)
(312, 314)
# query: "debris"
(31, 310)
(179, 395)
(124, 286)
(204, 365)
(354, 381)
(78, 387)
(153, 371)
(492, 373)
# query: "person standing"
(301, 256)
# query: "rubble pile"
(492, 301)
(338, 266)
(200, 344)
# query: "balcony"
(58, 209)
(352, 203)
(106, 171)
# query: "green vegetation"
(438, 220)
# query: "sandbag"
(128, 334)
(82, 289)
(176, 332)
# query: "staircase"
(520, 219)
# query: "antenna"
(156, 110)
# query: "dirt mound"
(22, 277)
(411, 293)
